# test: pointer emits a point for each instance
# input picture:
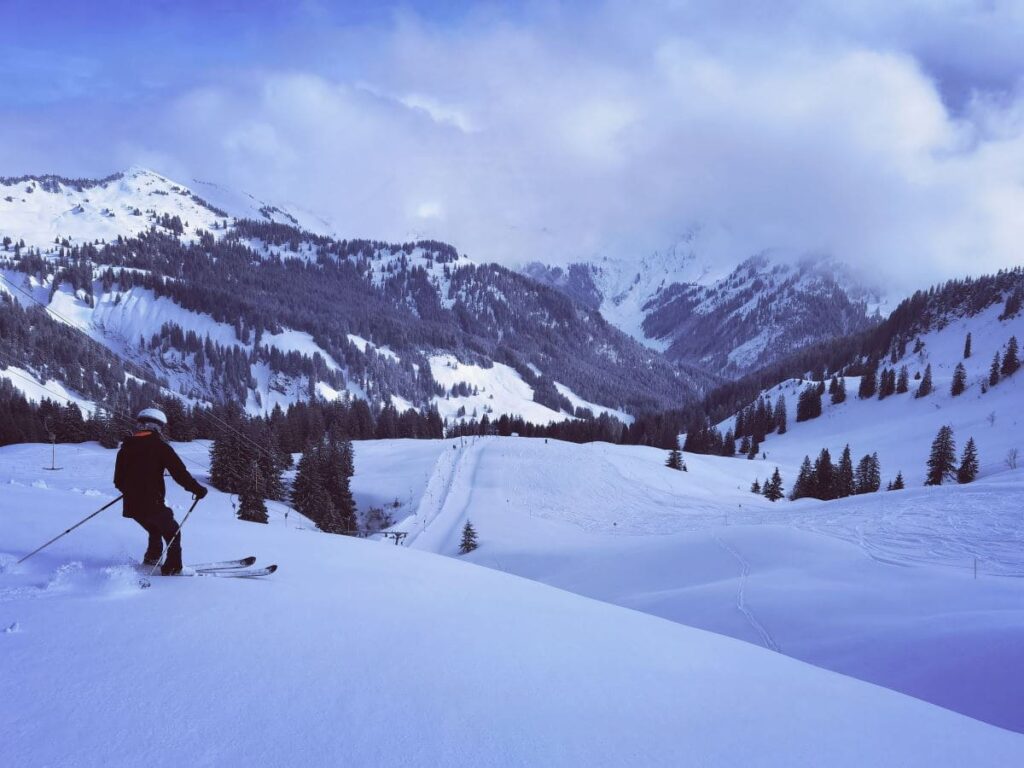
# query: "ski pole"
(69, 530)
(174, 538)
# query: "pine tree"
(780, 414)
(1013, 304)
(728, 444)
(675, 457)
(468, 543)
(874, 473)
(331, 520)
(755, 448)
(844, 475)
(250, 498)
(903, 383)
(967, 346)
(745, 445)
(867, 477)
(824, 476)
(251, 507)
(993, 371)
(1010, 360)
(897, 484)
(808, 405)
(755, 487)
(942, 460)
(773, 490)
(868, 381)
(959, 380)
(925, 387)
(968, 469)
(886, 383)
(839, 396)
(804, 481)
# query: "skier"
(139, 475)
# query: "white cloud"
(568, 134)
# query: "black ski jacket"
(139, 472)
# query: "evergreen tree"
(1010, 360)
(925, 387)
(993, 371)
(804, 481)
(844, 475)
(942, 460)
(967, 346)
(867, 477)
(308, 495)
(675, 457)
(773, 490)
(728, 444)
(874, 473)
(1013, 304)
(808, 405)
(755, 487)
(745, 445)
(250, 498)
(868, 381)
(468, 543)
(897, 484)
(824, 476)
(755, 448)
(839, 396)
(968, 469)
(959, 380)
(331, 521)
(887, 383)
(903, 383)
(780, 414)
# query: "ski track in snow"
(741, 598)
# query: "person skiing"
(139, 475)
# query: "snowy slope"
(359, 653)
(827, 583)
(901, 427)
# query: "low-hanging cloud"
(563, 137)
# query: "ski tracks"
(741, 598)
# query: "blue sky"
(887, 133)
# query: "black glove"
(200, 492)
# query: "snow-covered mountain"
(220, 296)
(40, 210)
(729, 316)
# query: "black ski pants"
(161, 526)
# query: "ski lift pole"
(69, 530)
(177, 533)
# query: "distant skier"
(139, 475)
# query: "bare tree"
(1011, 458)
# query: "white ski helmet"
(152, 416)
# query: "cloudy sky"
(889, 134)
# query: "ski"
(240, 573)
(220, 565)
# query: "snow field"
(361, 653)
(827, 583)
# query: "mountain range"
(225, 297)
